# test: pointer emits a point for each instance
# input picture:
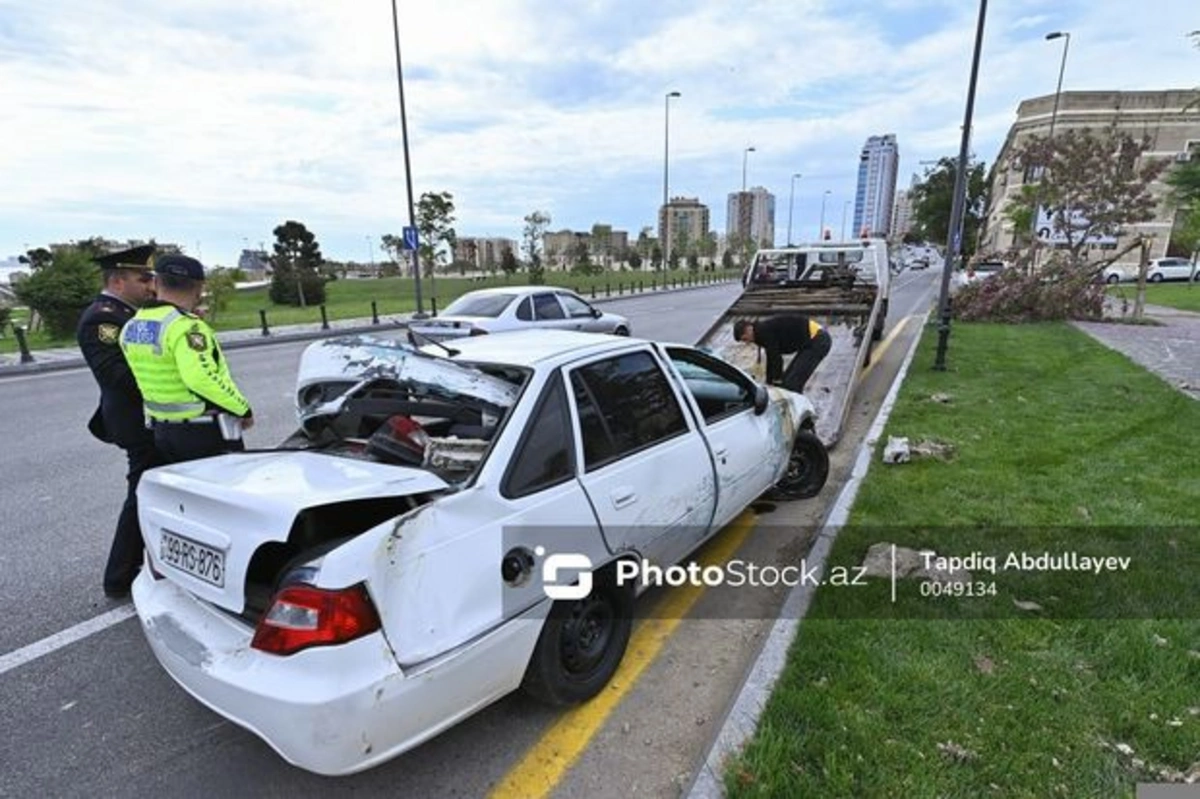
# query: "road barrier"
(22, 344)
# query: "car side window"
(525, 310)
(625, 405)
(576, 307)
(545, 454)
(719, 389)
(545, 306)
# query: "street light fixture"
(412, 216)
(745, 155)
(954, 245)
(791, 200)
(666, 228)
(821, 229)
(1062, 68)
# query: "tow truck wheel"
(808, 468)
(581, 644)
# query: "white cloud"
(216, 119)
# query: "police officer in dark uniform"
(783, 334)
(119, 419)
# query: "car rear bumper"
(331, 710)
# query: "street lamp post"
(821, 228)
(791, 200)
(845, 208)
(412, 216)
(371, 253)
(745, 155)
(1062, 68)
(954, 246)
(666, 227)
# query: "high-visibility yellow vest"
(178, 365)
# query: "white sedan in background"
(397, 564)
(498, 310)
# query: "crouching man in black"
(784, 334)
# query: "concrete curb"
(354, 327)
(742, 718)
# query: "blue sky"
(209, 122)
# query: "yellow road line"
(881, 347)
(546, 763)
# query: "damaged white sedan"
(386, 571)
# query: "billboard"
(1049, 234)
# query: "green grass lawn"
(351, 299)
(1185, 296)
(1060, 444)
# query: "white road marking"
(53, 643)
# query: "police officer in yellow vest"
(190, 398)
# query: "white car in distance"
(386, 572)
(502, 309)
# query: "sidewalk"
(49, 360)
(1168, 349)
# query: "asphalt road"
(99, 717)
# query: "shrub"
(60, 291)
(1056, 292)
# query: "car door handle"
(720, 452)
(621, 497)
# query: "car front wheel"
(621, 330)
(807, 470)
(1156, 278)
(581, 644)
(1113, 280)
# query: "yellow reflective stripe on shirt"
(813, 328)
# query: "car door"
(738, 437)
(646, 468)
(1176, 269)
(548, 312)
(582, 315)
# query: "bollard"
(324, 318)
(593, 291)
(262, 315)
(620, 288)
(433, 306)
(654, 284)
(641, 287)
(22, 344)
(607, 289)
(374, 313)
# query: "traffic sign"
(411, 240)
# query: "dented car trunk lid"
(203, 520)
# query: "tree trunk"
(1139, 301)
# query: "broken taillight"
(302, 616)
(478, 331)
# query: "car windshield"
(490, 305)
(988, 267)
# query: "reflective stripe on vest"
(813, 329)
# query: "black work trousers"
(807, 359)
(125, 555)
(178, 442)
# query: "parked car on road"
(497, 310)
(1158, 271)
(918, 263)
(387, 571)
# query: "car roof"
(515, 290)
(532, 347)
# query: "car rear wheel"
(1156, 278)
(621, 331)
(807, 470)
(581, 644)
(1113, 280)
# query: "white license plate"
(192, 557)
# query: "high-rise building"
(484, 254)
(876, 192)
(686, 221)
(902, 214)
(751, 215)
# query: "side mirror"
(597, 313)
(762, 399)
